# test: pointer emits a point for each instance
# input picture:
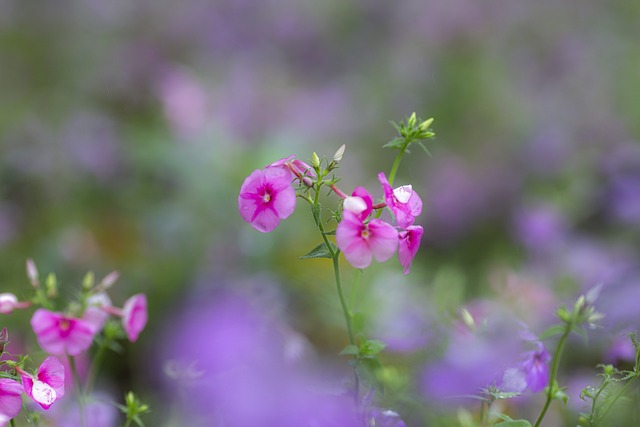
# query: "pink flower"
(266, 197)
(362, 241)
(10, 400)
(61, 334)
(405, 203)
(9, 302)
(360, 203)
(409, 245)
(134, 316)
(48, 384)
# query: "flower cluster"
(67, 333)
(362, 238)
(268, 196)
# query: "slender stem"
(620, 392)
(396, 163)
(76, 380)
(343, 303)
(95, 365)
(554, 371)
(13, 423)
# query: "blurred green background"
(127, 128)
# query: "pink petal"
(51, 371)
(10, 400)
(350, 241)
(368, 200)
(134, 316)
(80, 337)
(8, 302)
(265, 220)
(383, 240)
(409, 245)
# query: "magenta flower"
(9, 302)
(405, 203)
(362, 241)
(48, 384)
(10, 400)
(134, 316)
(409, 243)
(360, 203)
(266, 197)
(60, 334)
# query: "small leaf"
(350, 350)
(515, 423)
(372, 347)
(321, 251)
(552, 331)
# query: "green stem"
(97, 360)
(343, 303)
(76, 380)
(13, 423)
(396, 163)
(554, 372)
(620, 392)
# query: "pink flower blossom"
(266, 197)
(10, 400)
(405, 203)
(362, 241)
(134, 316)
(9, 302)
(47, 385)
(409, 245)
(60, 334)
(360, 203)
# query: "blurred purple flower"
(540, 228)
(98, 411)
(246, 378)
(477, 354)
(532, 373)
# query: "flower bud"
(4, 339)
(337, 157)
(51, 285)
(88, 280)
(425, 125)
(32, 273)
(315, 160)
(307, 181)
(108, 280)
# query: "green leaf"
(321, 251)
(370, 348)
(552, 331)
(351, 350)
(515, 423)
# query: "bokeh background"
(127, 128)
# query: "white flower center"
(403, 194)
(43, 393)
(266, 197)
(354, 204)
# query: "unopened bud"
(315, 160)
(467, 319)
(108, 280)
(4, 339)
(412, 120)
(51, 285)
(88, 280)
(307, 181)
(425, 125)
(32, 273)
(339, 153)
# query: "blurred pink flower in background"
(134, 316)
(60, 334)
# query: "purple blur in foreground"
(245, 377)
